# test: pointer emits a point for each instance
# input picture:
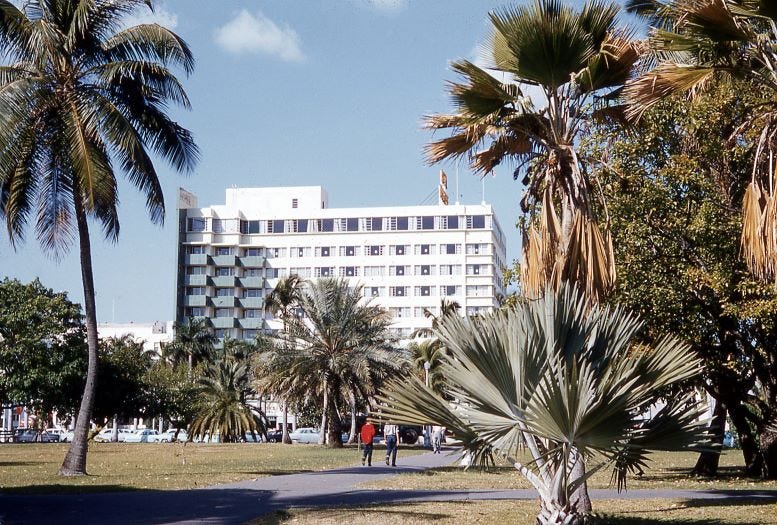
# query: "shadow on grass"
(57, 488)
(667, 514)
(20, 463)
(367, 514)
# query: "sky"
(290, 93)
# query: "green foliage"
(122, 368)
(42, 347)
(170, 393)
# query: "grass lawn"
(667, 470)
(523, 512)
(134, 466)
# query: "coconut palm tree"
(339, 344)
(577, 61)
(696, 43)
(562, 382)
(193, 343)
(428, 351)
(80, 97)
(224, 410)
(281, 302)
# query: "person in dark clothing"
(391, 433)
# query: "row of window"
(349, 224)
(427, 291)
(243, 293)
(248, 313)
(346, 251)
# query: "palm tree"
(339, 344)
(224, 411)
(428, 351)
(81, 93)
(562, 382)
(578, 60)
(193, 342)
(698, 43)
(280, 302)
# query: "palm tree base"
(71, 472)
(557, 515)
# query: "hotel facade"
(407, 258)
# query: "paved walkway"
(237, 503)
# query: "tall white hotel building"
(407, 258)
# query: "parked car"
(274, 436)
(146, 435)
(48, 437)
(104, 436)
(25, 435)
(305, 435)
(207, 439)
(59, 432)
(169, 436)
(66, 437)
(256, 437)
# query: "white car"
(305, 435)
(146, 435)
(104, 436)
(66, 437)
(169, 436)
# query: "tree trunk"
(767, 439)
(551, 513)
(334, 439)
(707, 464)
(286, 438)
(579, 500)
(74, 463)
(753, 460)
(115, 431)
(322, 434)
(352, 434)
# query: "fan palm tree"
(281, 302)
(193, 343)
(339, 344)
(696, 43)
(577, 61)
(224, 411)
(562, 382)
(81, 96)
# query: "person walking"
(391, 434)
(366, 435)
(437, 433)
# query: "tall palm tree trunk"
(352, 434)
(333, 422)
(322, 434)
(75, 459)
(286, 438)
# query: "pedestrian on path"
(437, 433)
(391, 433)
(366, 435)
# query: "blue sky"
(305, 92)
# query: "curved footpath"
(237, 503)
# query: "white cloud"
(383, 5)
(247, 33)
(160, 15)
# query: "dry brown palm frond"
(541, 250)
(754, 249)
(453, 146)
(666, 80)
(504, 146)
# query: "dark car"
(25, 435)
(274, 436)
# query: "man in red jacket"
(367, 433)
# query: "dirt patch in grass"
(647, 512)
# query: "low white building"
(154, 335)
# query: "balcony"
(223, 322)
(253, 323)
(196, 259)
(251, 282)
(252, 261)
(224, 260)
(224, 302)
(224, 281)
(252, 302)
(195, 300)
(195, 280)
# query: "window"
(196, 224)
(303, 272)
(352, 225)
(451, 222)
(374, 224)
(225, 271)
(294, 203)
(224, 312)
(398, 249)
(480, 290)
(195, 311)
(252, 292)
(398, 291)
(225, 292)
(323, 251)
(195, 290)
(399, 270)
(349, 251)
(404, 311)
(252, 272)
(276, 252)
(476, 221)
(323, 271)
(254, 252)
(424, 269)
(252, 314)
(476, 310)
(349, 271)
(272, 273)
(299, 225)
(225, 225)
(451, 249)
(249, 227)
(299, 251)
(477, 249)
(450, 269)
(476, 269)
(374, 271)
(221, 333)
(374, 250)
(448, 290)
(196, 270)
(326, 225)
(398, 223)
(249, 334)
(374, 291)
(196, 250)
(423, 291)
(425, 223)
(224, 250)
(425, 249)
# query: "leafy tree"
(121, 391)
(170, 393)
(578, 60)
(562, 382)
(42, 348)
(193, 343)
(674, 195)
(80, 94)
(698, 44)
(339, 345)
(281, 303)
